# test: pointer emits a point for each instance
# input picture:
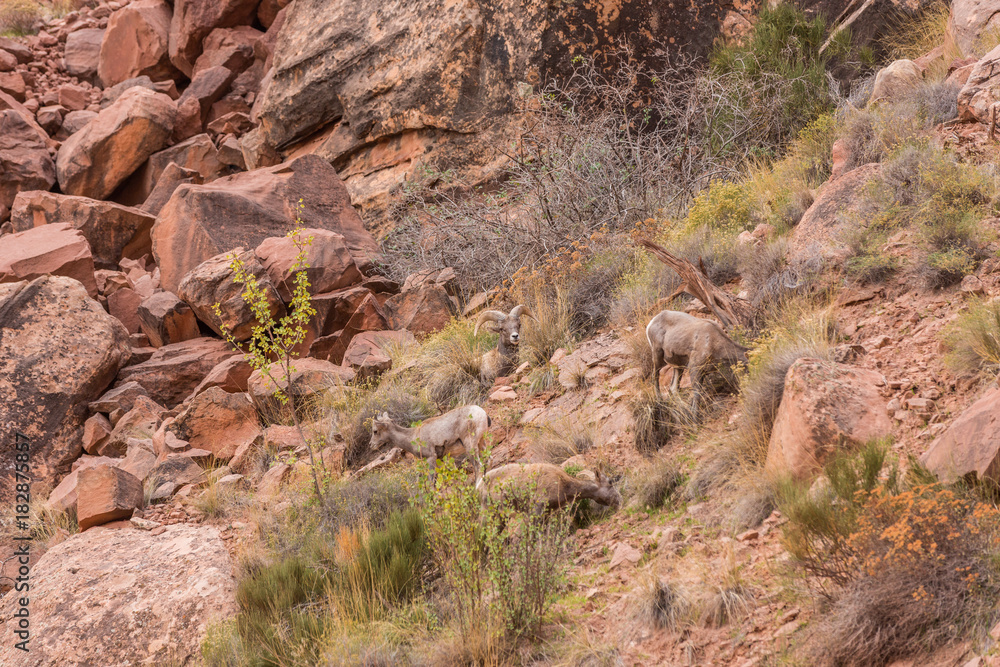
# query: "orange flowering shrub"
(912, 566)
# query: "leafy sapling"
(272, 344)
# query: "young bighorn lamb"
(685, 341)
(553, 487)
(503, 359)
(445, 434)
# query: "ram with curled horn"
(502, 360)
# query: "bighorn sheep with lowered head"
(503, 359)
(553, 487)
(445, 434)
(686, 341)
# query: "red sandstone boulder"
(136, 43)
(194, 20)
(25, 163)
(971, 445)
(211, 282)
(175, 370)
(310, 377)
(202, 221)
(98, 158)
(420, 310)
(367, 317)
(172, 178)
(63, 497)
(120, 399)
(979, 93)
(55, 249)
(197, 153)
(96, 431)
(140, 422)
(106, 494)
(231, 375)
(217, 421)
(123, 304)
(206, 88)
(59, 351)
(331, 265)
(821, 235)
(825, 406)
(156, 594)
(968, 22)
(165, 319)
(368, 351)
(232, 48)
(83, 53)
(113, 231)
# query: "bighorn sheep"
(503, 359)
(554, 487)
(433, 439)
(685, 341)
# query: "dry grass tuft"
(654, 484)
(656, 421)
(558, 442)
(18, 17)
(973, 340)
(661, 605)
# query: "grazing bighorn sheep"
(553, 487)
(503, 359)
(433, 439)
(685, 341)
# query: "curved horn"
(522, 311)
(488, 316)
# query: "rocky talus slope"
(144, 144)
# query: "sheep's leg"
(697, 372)
(432, 462)
(675, 382)
(658, 363)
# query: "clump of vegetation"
(316, 586)
(449, 364)
(368, 500)
(732, 598)
(973, 340)
(908, 563)
(18, 17)
(661, 605)
(658, 420)
(654, 485)
(558, 442)
(943, 199)
(501, 582)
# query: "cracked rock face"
(59, 350)
(121, 596)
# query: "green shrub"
(450, 363)
(18, 17)
(289, 607)
(973, 340)
(502, 565)
(367, 500)
(909, 565)
(783, 45)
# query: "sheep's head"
(606, 494)
(508, 325)
(380, 430)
